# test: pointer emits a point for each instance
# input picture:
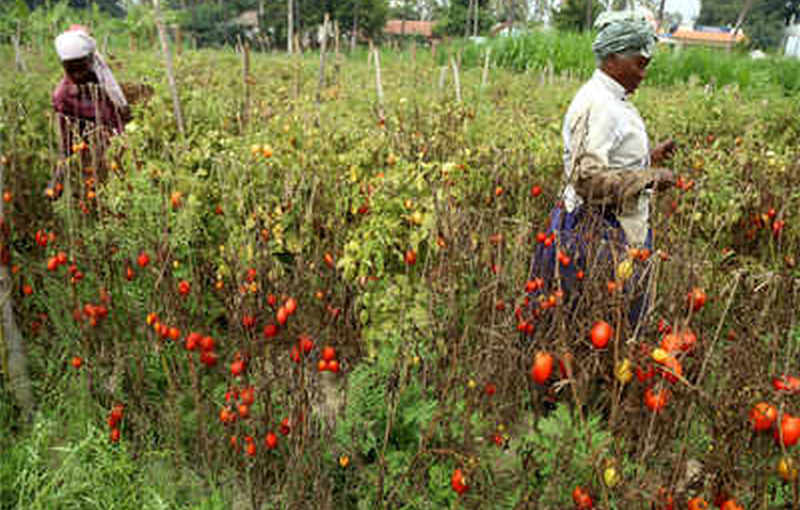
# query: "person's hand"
(663, 152)
(663, 179)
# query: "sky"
(689, 9)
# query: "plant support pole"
(173, 88)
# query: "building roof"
(247, 19)
(707, 36)
(396, 27)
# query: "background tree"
(571, 15)
(763, 25)
(452, 18)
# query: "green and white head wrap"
(623, 32)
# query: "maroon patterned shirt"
(78, 115)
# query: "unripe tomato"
(542, 367)
(762, 416)
(623, 371)
(600, 334)
(787, 469)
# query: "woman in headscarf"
(610, 171)
(89, 103)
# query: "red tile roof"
(695, 36)
(395, 27)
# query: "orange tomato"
(698, 503)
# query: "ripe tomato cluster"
(764, 415)
(114, 419)
(328, 361)
(581, 498)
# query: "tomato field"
(320, 295)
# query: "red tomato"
(581, 498)
(731, 504)
(207, 343)
(192, 340)
(458, 482)
(270, 330)
(248, 396)
(282, 315)
(542, 367)
(237, 367)
(656, 400)
(696, 298)
(290, 305)
(762, 416)
(600, 334)
(328, 353)
(271, 441)
(143, 259)
(789, 430)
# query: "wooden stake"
(12, 347)
(162, 35)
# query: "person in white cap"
(89, 103)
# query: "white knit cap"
(74, 44)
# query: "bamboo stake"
(485, 76)
(18, 60)
(178, 39)
(246, 83)
(323, 47)
(162, 35)
(378, 83)
(456, 79)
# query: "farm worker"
(88, 102)
(610, 171)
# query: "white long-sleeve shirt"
(607, 155)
